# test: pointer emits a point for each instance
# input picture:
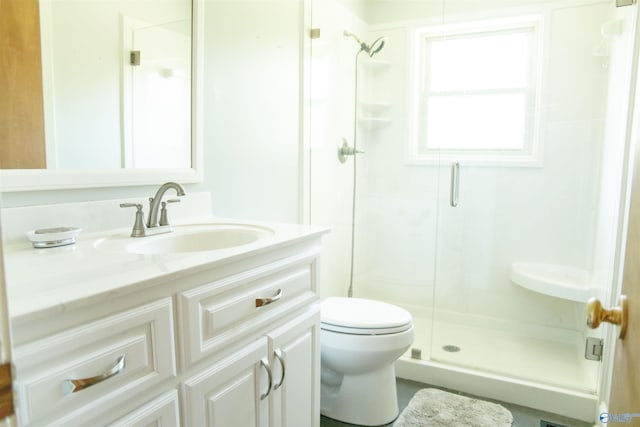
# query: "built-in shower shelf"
(560, 281)
(375, 64)
(374, 108)
(373, 122)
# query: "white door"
(157, 94)
(7, 417)
(161, 97)
(624, 401)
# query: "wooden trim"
(6, 391)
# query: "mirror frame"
(55, 179)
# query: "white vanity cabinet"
(227, 344)
(276, 375)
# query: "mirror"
(117, 79)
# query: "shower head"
(377, 45)
(371, 49)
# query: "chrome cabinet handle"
(73, 386)
(455, 184)
(278, 355)
(266, 301)
(265, 364)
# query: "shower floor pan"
(548, 375)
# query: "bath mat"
(430, 407)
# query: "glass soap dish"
(53, 237)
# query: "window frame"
(531, 153)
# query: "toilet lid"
(363, 317)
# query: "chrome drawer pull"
(73, 386)
(265, 364)
(278, 355)
(266, 301)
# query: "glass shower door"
(526, 231)
(396, 229)
(482, 319)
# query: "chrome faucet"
(154, 202)
(152, 228)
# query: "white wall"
(252, 107)
(332, 103)
(385, 11)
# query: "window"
(476, 92)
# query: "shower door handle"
(454, 190)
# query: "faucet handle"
(138, 229)
(163, 212)
(131, 205)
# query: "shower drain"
(451, 348)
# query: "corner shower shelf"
(376, 64)
(375, 108)
(373, 122)
(560, 281)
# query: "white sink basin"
(191, 238)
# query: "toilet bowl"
(360, 340)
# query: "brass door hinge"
(6, 391)
(134, 57)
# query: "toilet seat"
(357, 316)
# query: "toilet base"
(368, 399)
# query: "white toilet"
(360, 340)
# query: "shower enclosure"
(488, 192)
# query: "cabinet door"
(294, 351)
(231, 392)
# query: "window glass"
(479, 62)
(476, 91)
(476, 122)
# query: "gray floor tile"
(522, 416)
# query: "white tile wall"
(563, 212)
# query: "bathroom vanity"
(106, 333)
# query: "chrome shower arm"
(353, 36)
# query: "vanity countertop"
(41, 282)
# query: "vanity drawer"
(161, 411)
(118, 356)
(216, 314)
